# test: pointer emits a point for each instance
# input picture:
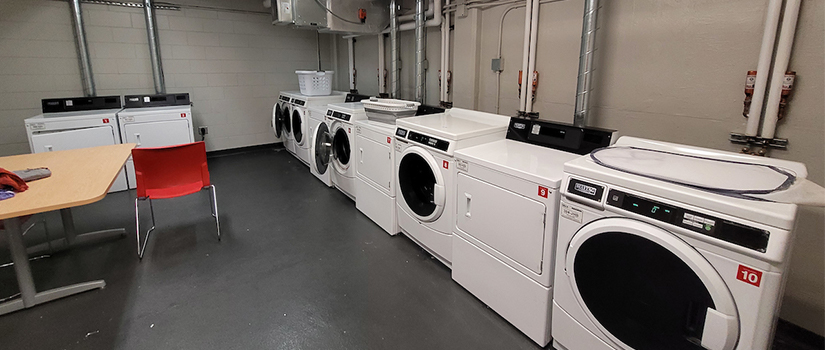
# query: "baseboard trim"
(245, 149)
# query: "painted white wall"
(670, 71)
(232, 64)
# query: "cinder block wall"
(233, 64)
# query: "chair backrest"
(171, 168)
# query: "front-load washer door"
(298, 126)
(277, 120)
(646, 289)
(322, 148)
(421, 184)
(341, 148)
(285, 119)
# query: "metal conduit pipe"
(82, 49)
(154, 46)
(420, 51)
(585, 79)
(394, 75)
(525, 60)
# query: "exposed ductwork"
(420, 51)
(82, 49)
(588, 46)
(154, 46)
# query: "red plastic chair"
(169, 172)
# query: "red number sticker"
(446, 164)
(389, 139)
(183, 115)
(749, 275)
(106, 120)
(543, 191)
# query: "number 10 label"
(749, 275)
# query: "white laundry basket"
(315, 83)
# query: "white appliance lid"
(347, 107)
(456, 123)
(725, 177)
(538, 164)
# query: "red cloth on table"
(10, 180)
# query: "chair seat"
(174, 191)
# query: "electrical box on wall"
(333, 16)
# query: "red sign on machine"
(105, 120)
(446, 164)
(389, 139)
(749, 275)
(183, 115)
(543, 191)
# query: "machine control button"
(688, 216)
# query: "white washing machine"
(425, 172)
(155, 121)
(299, 120)
(279, 110)
(320, 145)
(337, 145)
(80, 122)
(285, 100)
(507, 197)
(674, 256)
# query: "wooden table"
(79, 177)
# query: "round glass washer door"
(341, 147)
(322, 148)
(287, 126)
(646, 289)
(277, 120)
(421, 184)
(297, 125)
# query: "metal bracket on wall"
(775, 143)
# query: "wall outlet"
(203, 130)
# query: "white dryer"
(375, 173)
(155, 121)
(659, 248)
(425, 172)
(335, 147)
(320, 145)
(507, 197)
(299, 120)
(80, 122)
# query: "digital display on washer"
(342, 116)
(401, 132)
(428, 141)
(299, 102)
(728, 231)
(284, 98)
(329, 112)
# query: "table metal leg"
(28, 294)
(73, 239)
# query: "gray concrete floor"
(298, 268)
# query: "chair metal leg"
(141, 249)
(214, 201)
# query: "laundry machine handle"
(439, 194)
(719, 331)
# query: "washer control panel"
(728, 231)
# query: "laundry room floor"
(298, 268)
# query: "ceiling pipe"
(534, 33)
(434, 22)
(411, 17)
(420, 51)
(586, 55)
(780, 66)
(445, 56)
(154, 46)
(394, 75)
(763, 67)
(82, 49)
(382, 66)
(525, 61)
(351, 54)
